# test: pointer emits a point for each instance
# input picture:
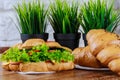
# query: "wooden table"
(63, 75)
(2, 49)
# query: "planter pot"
(43, 36)
(84, 39)
(69, 40)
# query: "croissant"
(44, 64)
(94, 34)
(116, 42)
(100, 40)
(45, 67)
(32, 42)
(84, 57)
(76, 52)
(103, 50)
(108, 54)
(114, 65)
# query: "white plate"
(31, 72)
(90, 68)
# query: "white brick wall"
(9, 35)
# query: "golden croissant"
(84, 57)
(103, 50)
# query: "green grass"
(32, 17)
(96, 14)
(63, 17)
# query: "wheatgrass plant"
(98, 14)
(64, 17)
(32, 17)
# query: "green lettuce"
(37, 54)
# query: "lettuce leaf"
(36, 54)
(59, 56)
(13, 54)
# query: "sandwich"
(38, 56)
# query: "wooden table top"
(2, 49)
(75, 74)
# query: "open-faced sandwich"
(37, 56)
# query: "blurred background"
(9, 34)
